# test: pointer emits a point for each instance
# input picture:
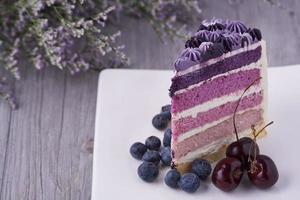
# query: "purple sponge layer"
(183, 125)
(222, 66)
(215, 88)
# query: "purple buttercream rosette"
(182, 63)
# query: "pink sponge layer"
(222, 130)
(211, 89)
(183, 125)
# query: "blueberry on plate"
(189, 182)
(152, 156)
(167, 137)
(166, 108)
(148, 171)
(201, 168)
(167, 114)
(166, 157)
(172, 178)
(153, 143)
(161, 121)
(137, 150)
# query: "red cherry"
(227, 174)
(263, 172)
(242, 149)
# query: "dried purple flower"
(73, 35)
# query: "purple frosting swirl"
(203, 34)
(189, 57)
(204, 46)
(194, 54)
(182, 63)
(236, 26)
(213, 36)
(233, 38)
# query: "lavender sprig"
(7, 94)
(81, 35)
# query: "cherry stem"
(237, 105)
(263, 128)
(255, 135)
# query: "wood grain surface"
(46, 145)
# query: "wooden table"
(46, 145)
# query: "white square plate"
(127, 101)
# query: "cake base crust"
(212, 157)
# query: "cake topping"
(203, 34)
(246, 39)
(194, 42)
(234, 39)
(194, 54)
(229, 34)
(255, 34)
(213, 36)
(226, 44)
(214, 51)
(183, 63)
(204, 46)
(236, 26)
(216, 26)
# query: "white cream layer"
(212, 61)
(201, 129)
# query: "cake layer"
(222, 130)
(197, 130)
(222, 66)
(181, 126)
(213, 89)
(211, 149)
(215, 103)
(254, 65)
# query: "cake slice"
(219, 62)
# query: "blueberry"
(201, 168)
(137, 150)
(172, 178)
(148, 171)
(189, 182)
(167, 114)
(165, 154)
(152, 156)
(161, 121)
(167, 137)
(166, 108)
(153, 143)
